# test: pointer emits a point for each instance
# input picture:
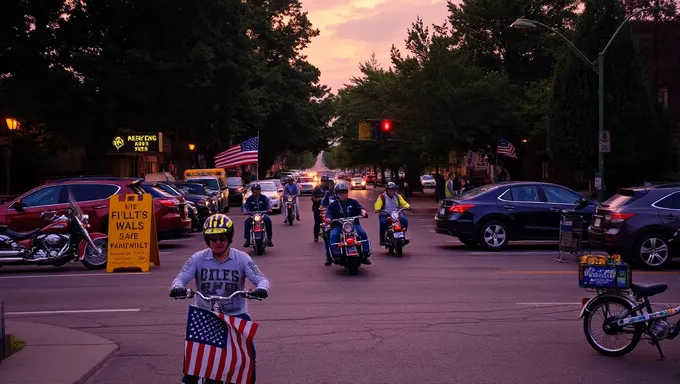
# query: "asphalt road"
(440, 314)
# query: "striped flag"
(219, 347)
(241, 154)
(505, 148)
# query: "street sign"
(132, 233)
(605, 142)
(365, 130)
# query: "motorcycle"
(395, 234)
(290, 210)
(63, 240)
(351, 252)
(258, 232)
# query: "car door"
(46, 199)
(558, 198)
(523, 206)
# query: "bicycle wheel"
(603, 311)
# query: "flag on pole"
(505, 148)
(219, 347)
(240, 154)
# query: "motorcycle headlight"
(290, 199)
(86, 219)
(257, 218)
(395, 216)
(348, 227)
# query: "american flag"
(506, 148)
(219, 347)
(241, 154)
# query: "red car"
(92, 195)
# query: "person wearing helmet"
(318, 194)
(291, 189)
(343, 206)
(257, 202)
(220, 270)
(390, 201)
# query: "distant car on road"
(427, 181)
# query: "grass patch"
(15, 344)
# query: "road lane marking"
(73, 311)
(71, 275)
(548, 304)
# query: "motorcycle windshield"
(73, 204)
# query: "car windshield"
(277, 182)
(621, 199)
(168, 189)
(428, 177)
(476, 192)
(306, 179)
(234, 182)
(212, 184)
(358, 179)
(268, 187)
(192, 189)
(155, 191)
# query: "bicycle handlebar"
(191, 293)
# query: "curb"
(83, 379)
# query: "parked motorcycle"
(258, 232)
(290, 209)
(352, 254)
(395, 234)
(63, 240)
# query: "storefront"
(139, 153)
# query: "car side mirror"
(581, 203)
(18, 206)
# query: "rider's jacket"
(319, 192)
(221, 279)
(384, 201)
(291, 190)
(339, 209)
(261, 204)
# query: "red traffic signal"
(386, 125)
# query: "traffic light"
(385, 129)
(375, 129)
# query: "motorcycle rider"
(291, 189)
(390, 201)
(329, 198)
(257, 202)
(209, 268)
(343, 206)
(318, 194)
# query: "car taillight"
(460, 208)
(616, 218)
(168, 203)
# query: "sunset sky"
(353, 29)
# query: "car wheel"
(494, 235)
(652, 252)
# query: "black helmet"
(341, 187)
(391, 185)
(255, 186)
(324, 178)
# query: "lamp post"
(191, 148)
(597, 66)
(12, 125)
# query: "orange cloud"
(351, 30)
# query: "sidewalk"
(54, 355)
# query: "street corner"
(81, 354)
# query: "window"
(44, 196)
(90, 192)
(168, 189)
(669, 202)
(525, 193)
(559, 195)
(192, 189)
(268, 187)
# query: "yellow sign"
(216, 172)
(365, 129)
(139, 142)
(133, 241)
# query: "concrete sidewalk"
(54, 355)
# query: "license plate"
(597, 222)
(351, 251)
(398, 235)
(258, 235)
(442, 211)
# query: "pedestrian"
(318, 194)
(440, 190)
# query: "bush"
(15, 345)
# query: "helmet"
(324, 178)
(218, 224)
(341, 187)
(391, 185)
(290, 179)
(255, 186)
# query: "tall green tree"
(641, 144)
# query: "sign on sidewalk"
(605, 142)
(133, 240)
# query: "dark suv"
(637, 223)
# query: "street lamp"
(597, 66)
(193, 157)
(12, 124)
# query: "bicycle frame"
(646, 304)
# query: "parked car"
(197, 205)
(358, 183)
(494, 214)
(271, 191)
(428, 181)
(216, 188)
(370, 178)
(637, 223)
(236, 186)
(23, 213)
(196, 190)
(172, 215)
